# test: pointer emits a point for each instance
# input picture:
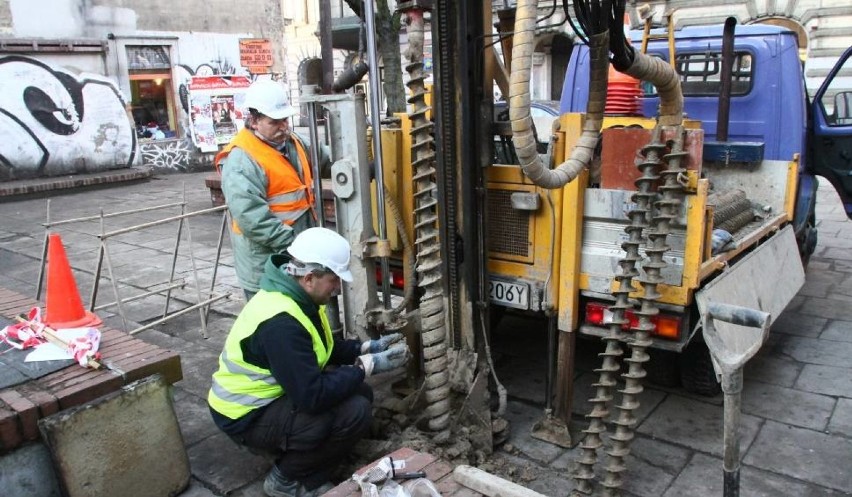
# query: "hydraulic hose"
(663, 76)
(408, 251)
(519, 104)
(643, 67)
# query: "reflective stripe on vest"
(239, 387)
(287, 195)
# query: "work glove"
(381, 344)
(394, 357)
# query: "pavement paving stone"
(815, 351)
(817, 289)
(773, 370)
(703, 476)
(841, 420)
(803, 454)
(825, 308)
(787, 405)
(521, 418)
(222, 466)
(196, 489)
(794, 323)
(695, 425)
(838, 330)
(194, 418)
(842, 254)
(253, 489)
(828, 380)
(818, 264)
(651, 466)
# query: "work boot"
(278, 485)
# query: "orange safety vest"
(287, 195)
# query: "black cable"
(577, 31)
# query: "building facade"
(88, 85)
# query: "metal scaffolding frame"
(202, 303)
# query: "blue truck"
(746, 225)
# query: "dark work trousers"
(309, 447)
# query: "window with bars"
(700, 74)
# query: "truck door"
(831, 130)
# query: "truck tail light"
(397, 277)
(665, 325)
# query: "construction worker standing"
(277, 388)
(267, 182)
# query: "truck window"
(836, 102)
(700, 74)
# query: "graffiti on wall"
(53, 122)
(169, 156)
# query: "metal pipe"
(41, 267)
(96, 284)
(551, 362)
(218, 255)
(326, 49)
(723, 115)
(160, 221)
(48, 224)
(375, 120)
(315, 168)
(175, 255)
(179, 313)
(171, 286)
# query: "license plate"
(509, 294)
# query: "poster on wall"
(217, 109)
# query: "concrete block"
(125, 443)
(28, 472)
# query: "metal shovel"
(740, 334)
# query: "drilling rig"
(611, 233)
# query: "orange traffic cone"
(64, 309)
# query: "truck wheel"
(663, 368)
(696, 370)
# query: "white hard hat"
(325, 247)
(270, 99)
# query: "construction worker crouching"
(276, 388)
(267, 182)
